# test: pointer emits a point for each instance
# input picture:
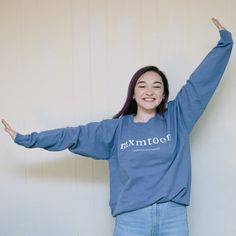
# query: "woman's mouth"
(149, 99)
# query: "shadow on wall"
(64, 169)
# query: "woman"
(146, 145)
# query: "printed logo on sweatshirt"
(151, 143)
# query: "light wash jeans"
(164, 219)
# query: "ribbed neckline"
(131, 118)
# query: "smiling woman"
(148, 93)
(148, 84)
(146, 144)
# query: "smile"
(149, 99)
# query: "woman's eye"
(141, 86)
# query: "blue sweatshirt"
(148, 162)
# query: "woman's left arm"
(192, 99)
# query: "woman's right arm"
(51, 140)
(94, 139)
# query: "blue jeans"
(164, 219)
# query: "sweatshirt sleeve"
(192, 99)
(94, 139)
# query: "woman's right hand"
(9, 130)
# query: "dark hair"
(130, 106)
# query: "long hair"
(130, 106)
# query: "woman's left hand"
(217, 24)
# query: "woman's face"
(148, 92)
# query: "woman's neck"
(143, 117)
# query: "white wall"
(64, 63)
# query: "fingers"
(6, 125)
(9, 130)
(217, 24)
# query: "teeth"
(149, 99)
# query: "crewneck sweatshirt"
(148, 162)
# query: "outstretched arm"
(192, 99)
(94, 139)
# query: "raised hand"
(217, 24)
(9, 130)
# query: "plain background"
(69, 62)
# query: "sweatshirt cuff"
(19, 139)
(226, 36)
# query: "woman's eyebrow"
(144, 82)
(141, 81)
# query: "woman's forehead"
(150, 76)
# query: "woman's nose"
(149, 91)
